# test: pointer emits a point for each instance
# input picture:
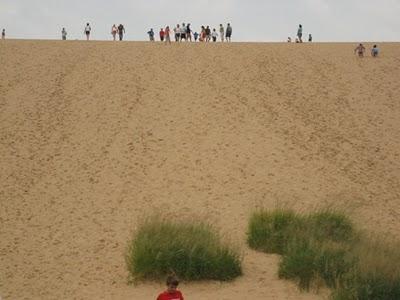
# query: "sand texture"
(96, 135)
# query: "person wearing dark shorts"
(88, 29)
(188, 32)
(300, 33)
(228, 32)
(121, 31)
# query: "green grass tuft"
(192, 251)
(270, 231)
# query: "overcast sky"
(252, 20)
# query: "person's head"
(220, 25)
(229, 24)
(300, 25)
(172, 283)
(375, 46)
(214, 29)
(177, 25)
(87, 24)
(183, 24)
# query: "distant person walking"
(114, 31)
(214, 35)
(177, 32)
(221, 32)
(374, 51)
(228, 32)
(208, 34)
(300, 33)
(167, 35)
(310, 38)
(289, 39)
(195, 35)
(183, 32)
(162, 34)
(64, 34)
(360, 49)
(151, 35)
(188, 32)
(121, 31)
(87, 31)
(202, 34)
(3, 34)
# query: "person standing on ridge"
(87, 31)
(63, 34)
(228, 32)
(162, 34)
(221, 32)
(208, 33)
(300, 33)
(188, 32)
(310, 38)
(167, 33)
(177, 32)
(121, 31)
(114, 31)
(214, 35)
(3, 34)
(183, 32)
(151, 35)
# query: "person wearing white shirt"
(88, 29)
(221, 32)
(214, 35)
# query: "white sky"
(252, 20)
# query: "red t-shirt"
(177, 295)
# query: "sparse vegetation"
(324, 248)
(192, 251)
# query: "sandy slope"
(95, 135)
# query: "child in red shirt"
(171, 293)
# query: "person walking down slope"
(374, 51)
(114, 31)
(221, 32)
(172, 293)
(87, 31)
(121, 31)
(360, 49)
(151, 34)
(228, 32)
(300, 33)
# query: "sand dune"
(94, 135)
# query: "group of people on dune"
(184, 32)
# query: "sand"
(96, 135)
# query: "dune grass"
(323, 248)
(192, 251)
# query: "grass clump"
(192, 251)
(270, 231)
(323, 248)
